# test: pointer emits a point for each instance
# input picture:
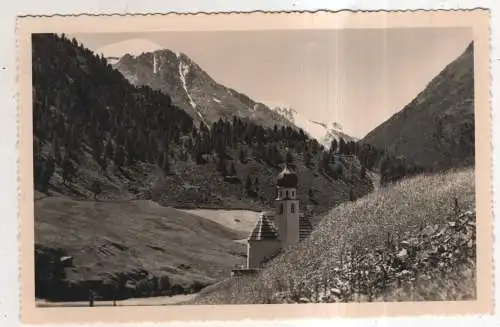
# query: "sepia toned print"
(254, 166)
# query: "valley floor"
(136, 241)
(149, 301)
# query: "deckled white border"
(9, 304)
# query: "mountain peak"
(193, 90)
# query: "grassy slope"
(354, 239)
(436, 129)
(190, 184)
(122, 237)
(201, 186)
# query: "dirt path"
(150, 301)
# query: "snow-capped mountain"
(320, 131)
(112, 60)
(192, 89)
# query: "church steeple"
(286, 228)
(287, 207)
(287, 178)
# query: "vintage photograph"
(273, 166)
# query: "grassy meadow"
(414, 240)
(135, 242)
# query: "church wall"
(259, 250)
(287, 221)
(292, 225)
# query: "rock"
(403, 254)
(335, 291)
(66, 261)
(405, 244)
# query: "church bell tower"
(287, 208)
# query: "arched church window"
(293, 194)
(286, 193)
(281, 208)
(292, 208)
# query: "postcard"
(264, 166)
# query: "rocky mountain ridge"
(193, 90)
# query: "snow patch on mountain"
(322, 132)
(183, 71)
(112, 60)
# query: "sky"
(356, 77)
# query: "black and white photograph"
(285, 166)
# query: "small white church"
(281, 228)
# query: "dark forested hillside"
(96, 135)
(436, 129)
(82, 105)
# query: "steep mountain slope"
(192, 89)
(101, 145)
(436, 129)
(376, 249)
(322, 132)
(95, 133)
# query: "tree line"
(82, 106)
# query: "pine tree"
(47, 170)
(248, 184)
(307, 158)
(232, 170)
(341, 146)
(110, 149)
(363, 172)
(165, 164)
(221, 166)
(243, 156)
(333, 145)
(56, 149)
(96, 188)
(351, 195)
(67, 171)
(275, 156)
(325, 160)
(119, 158)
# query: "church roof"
(263, 230)
(287, 178)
